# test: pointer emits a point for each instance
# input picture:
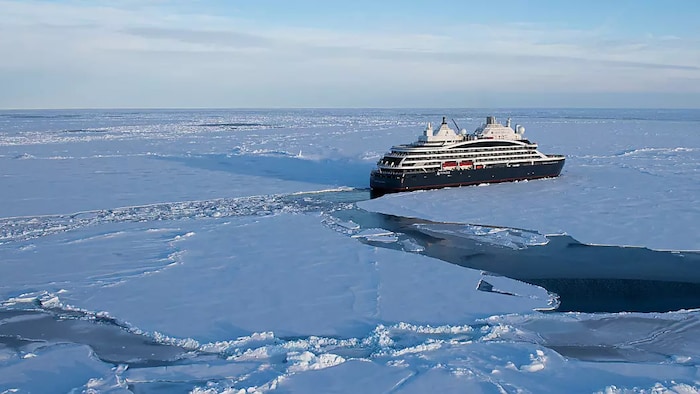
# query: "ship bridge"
(443, 134)
(496, 131)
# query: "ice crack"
(24, 228)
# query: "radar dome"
(520, 129)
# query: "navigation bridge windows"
(390, 161)
(486, 155)
(463, 149)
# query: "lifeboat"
(466, 163)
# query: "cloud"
(145, 53)
(213, 41)
(231, 39)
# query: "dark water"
(20, 329)
(586, 278)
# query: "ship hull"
(381, 183)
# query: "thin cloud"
(234, 39)
(209, 37)
(195, 54)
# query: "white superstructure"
(491, 145)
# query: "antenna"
(456, 125)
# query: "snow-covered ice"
(218, 251)
(625, 182)
(252, 274)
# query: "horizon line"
(331, 108)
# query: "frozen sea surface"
(627, 181)
(227, 250)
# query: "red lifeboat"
(466, 163)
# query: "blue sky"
(303, 53)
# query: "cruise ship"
(440, 158)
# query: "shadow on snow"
(339, 172)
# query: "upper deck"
(446, 138)
(491, 144)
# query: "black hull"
(381, 183)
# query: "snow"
(625, 182)
(207, 251)
(253, 275)
(62, 368)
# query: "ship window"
(392, 161)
